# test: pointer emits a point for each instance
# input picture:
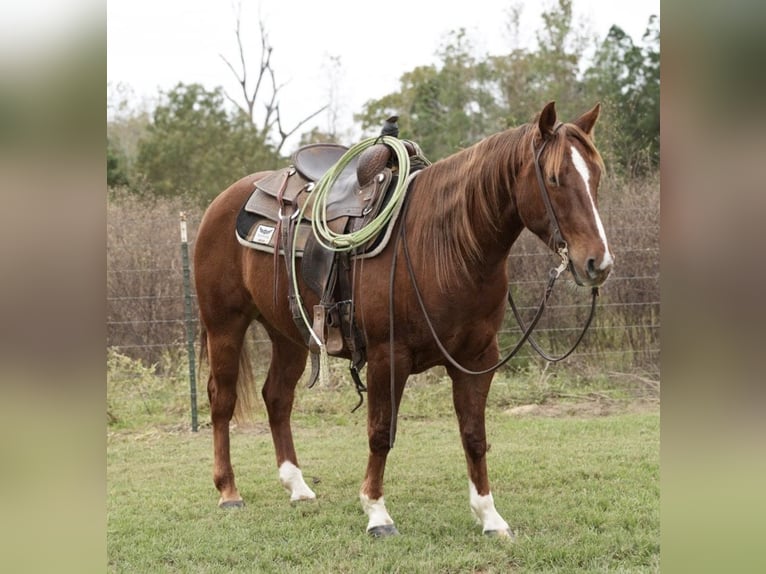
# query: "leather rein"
(560, 245)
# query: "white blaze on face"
(291, 478)
(483, 509)
(582, 169)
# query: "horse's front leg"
(379, 421)
(469, 394)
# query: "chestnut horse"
(463, 214)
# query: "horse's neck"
(497, 238)
(490, 205)
(465, 215)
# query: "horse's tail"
(245, 387)
(245, 381)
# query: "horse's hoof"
(383, 531)
(231, 504)
(506, 534)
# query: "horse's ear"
(586, 121)
(547, 120)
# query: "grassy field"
(577, 477)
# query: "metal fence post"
(189, 321)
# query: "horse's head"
(563, 169)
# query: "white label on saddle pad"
(263, 234)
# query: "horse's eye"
(553, 179)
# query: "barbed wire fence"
(152, 316)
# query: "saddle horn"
(375, 158)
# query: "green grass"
(581, 493)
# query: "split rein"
(561, 250)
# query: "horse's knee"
(278, 400)
(222, 400)
(474, 444)
(380, 440)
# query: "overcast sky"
(154, 44)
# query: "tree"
(627, 78)
(266, 89)
(196, 146)
(528, 79)
(127, 124)
(116, 166)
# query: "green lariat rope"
(350, 241)
(346, 241)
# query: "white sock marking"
(483, 509)
(291, 478)
(582, 169)
(376, 510)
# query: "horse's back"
(223, 210)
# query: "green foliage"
(196, 147)
(116, 166)
(627, 76)
(127, 125)
(525, 80)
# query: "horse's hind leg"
(288, 360)
(469, 395)
(224, 348)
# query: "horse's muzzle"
(593, 273)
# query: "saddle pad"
(257, 232)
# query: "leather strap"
(558, 240)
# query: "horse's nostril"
(591, 267)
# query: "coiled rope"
(346, 241)
(350, 241)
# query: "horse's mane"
(471, 185)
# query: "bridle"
(558, 240)
(560, 245)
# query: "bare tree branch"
(242, 79)
(272, 106)
(272, 115)
(266, 50)
(284, 135)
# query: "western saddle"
(268, 222)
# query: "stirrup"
(329, 334)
